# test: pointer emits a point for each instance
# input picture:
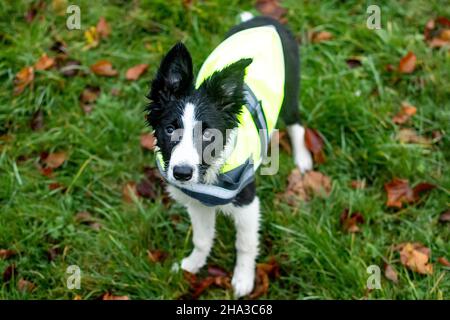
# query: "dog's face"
(191, 124)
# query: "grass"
(318, 260)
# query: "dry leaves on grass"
(407, 64)
(350, 222)
(86, 218)
(321, 36)
(358, 184)
(282, 137)
(23, 78)
(88, 98)
(54, 160)
(37, 120)
(405, 113)
(135, 72)
(399, 192)
(445, 216)
(103, 68)
(129, 191)
(264, 272)
(272, 8)
(25, 285)
(70, 68)
(156, 255)
(9, 273)
(415, 257)
(93, 35)
(314, 142)
(390, 273)
(148, 141)
(437, 32)
(44, 62)
(103, 28)
(408, 135)
(7, 253)
(109, 296)
(304, 187)
(216, 276)
(444, 261)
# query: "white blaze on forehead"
(185, 152)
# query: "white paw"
(193, 263)
(304, 161)
(243, 281)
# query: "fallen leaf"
(109, 296)
(146, 189)
(135, 72)
(321, 36)
(314, 142)
(77, 297)
(408, 135)
(148, 141)
(390, 273)
(216, 271)
(353, 63)
(88, 98)
(9, 273)
(408, 63)
(103, 29)
(445, 216)
(399, 192)
(104, 68)
(304, 187)
(414, 258)
(92, 38)
(283, 140)
(264, 271)
(59, 47)
(55, 160)
(37, 120)
(7, 253)
(25, 285)
(128, 191)
(33, 10)
(23, 78)
(350, 222)
(444, 262)
(358, 184)
(44, 62)
(271, 8)
(156, 255)
(405, 113)
(70, 68)
(86, 218)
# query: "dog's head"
(192, 125)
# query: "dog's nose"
(183, 173)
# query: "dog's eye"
(207, 135)
(170, 129)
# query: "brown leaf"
(321, 36)
(353, 63)
(146, 189)
(55, 160)
(216, 271)
(390, 273)
(445, 216)
(398, 192)
(23, 78)
(88, 98)
(271, 8)
(83, 217)
(358, 184)
(283, 140)
(408, 63)
(135, 72)
(263, 272)
(128, 191)
(304, 187)
(148, 141)
(25, 285)
(421, 188)
(37, 120)
(156, 255)
(415, 259)
(59, 47)
(70, 68)
(408, 135)
(7, 253)
(9, 273)
(44, 62)
(104, 68)
(109, 296)
(350, 222)
(103, 28)
(314, 142)
(444, 262)
(405, 113)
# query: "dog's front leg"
(203, 221)
(246, 219)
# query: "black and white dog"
(176, 104)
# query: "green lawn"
(352, 108)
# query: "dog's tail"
(246, 15)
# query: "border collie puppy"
(213, 132)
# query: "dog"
(248, 81)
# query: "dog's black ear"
(174, 78)
(226, 87)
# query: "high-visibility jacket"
(264, 92)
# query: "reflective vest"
(264, 92)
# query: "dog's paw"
(243, 281)
(304, 161)
(192, 263)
